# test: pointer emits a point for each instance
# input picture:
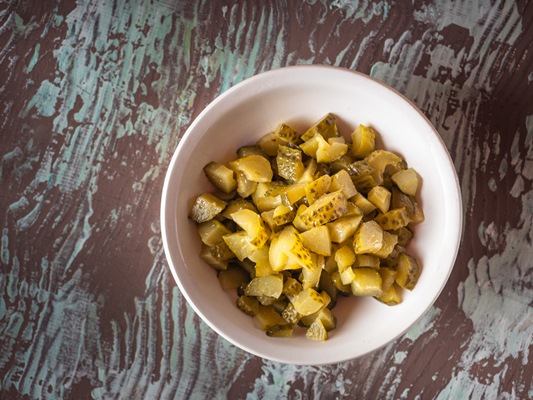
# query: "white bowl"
(299, 96)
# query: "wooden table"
(94, 96)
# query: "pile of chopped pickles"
(298, 220)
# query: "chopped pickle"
(297, 221)
(212, 231)
(363, 141)
(380, 197)
(206, 207)
(408, 271)
(390, 297)
(317, 240)
(269, 285)
(344, 228)
(248, 305)
(240, 244)
(254, 226)
(367, 260)
(368, 238)
(317, 188)
(268, 317)
(317, 331)
(237, 205)
(221, 176)
(366, 282)
(406, 180)
(394, 219)
(325, 127)
(289, 162)
(233, 277)
(342, 181)
(280, 331)
(254, 167)
(326, 209)
(307, 301)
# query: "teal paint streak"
(34, 58)
(4, 249)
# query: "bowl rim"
(456, 204)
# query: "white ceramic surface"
(299, 96)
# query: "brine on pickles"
(300, 219)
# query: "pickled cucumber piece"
(404, 236)
(317, 188)
(206, 207)
(368, 238)
(326, 127)
(380, 197)
(254, 167)
(367, 260)
(245, 187)
(276, 255)
(330, 151)
(283, 214)
(347, 276)
(294, 192)
(210, 259)
(344, 257)
(291, 287)
(388, 277)
(254, 226)
(394, 219)
(324, 315)
(310, 172)
(289, 162)
(270, 143)
(408, 271)
(221, 251)
(317, 240)
(262, 263)
(326, 209)
(268, 317)
(390, 297)
(311, 277)
(221, 176)
(237, 205)
(291, 244)
(280, 331)
(308, 301)
(379, 160)
(212, 231)
(363, 203)
(342, 181)
(363, 141)
(389, 241)
(317, 331)
(248, 305)
(269, 285)
(240, 243)
(337, 281)
(233, 277)
(250, 150)
(344, 228)
(366, 282)
(290, 314)
(406, 180)
(287, 133)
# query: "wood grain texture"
(94, 96)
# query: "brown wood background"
(94, 96)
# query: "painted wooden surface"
(94, 96)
